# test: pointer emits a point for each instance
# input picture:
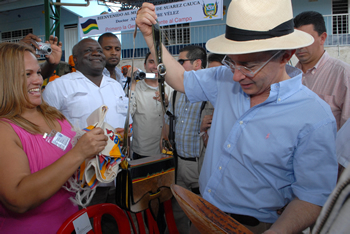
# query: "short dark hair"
(196, 52)
(311, 17)
(215, 58)
(147, 55)
(107, 34)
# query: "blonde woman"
(33, 168)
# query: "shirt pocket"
(78, 104)
(122, 105)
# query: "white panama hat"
(259, 25)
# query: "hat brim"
(295, 40)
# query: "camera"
(139, 75)
(151, 76)
(44, 48)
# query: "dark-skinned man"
(79, 93)
(112, 49)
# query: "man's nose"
(113, 51)
(96, 52)
(238, 75)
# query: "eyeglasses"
(182, 61)
(228, 62)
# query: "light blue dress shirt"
(259, 159)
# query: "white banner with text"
(168, 14)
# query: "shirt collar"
(320, 62)
(284, 89)
(117, 73)
(144, 86)
(79, 75)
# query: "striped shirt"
(187, 126)
(330, 80)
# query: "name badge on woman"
(57, 139)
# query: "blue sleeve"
(315, 163)
(203, 85)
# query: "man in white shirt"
(79, 93)
(112, 49)
(147, 112)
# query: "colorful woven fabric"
(102, 168)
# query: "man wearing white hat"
(272, 140)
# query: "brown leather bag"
(145, 183)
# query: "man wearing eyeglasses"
(272, 140)
(187, 128)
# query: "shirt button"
(279, 99)
(186, 109)
(182, 121)
(240, 122)
(228, 146)
(209, 190)
(219, 168)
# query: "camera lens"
(142, 75)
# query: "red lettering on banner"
(113, 29)
(185, 19)
(163, 22)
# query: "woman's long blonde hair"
(13, 89)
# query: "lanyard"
(161, 67)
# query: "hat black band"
(237, 34)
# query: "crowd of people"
(253, 135)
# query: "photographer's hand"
(157, 97)
(55, 57)
(133, 81)
(31, 40)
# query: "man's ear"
(197, 64)
(287, 55)
(75, 60)
(323, 38)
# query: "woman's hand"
(91, 143)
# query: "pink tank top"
(50, 215)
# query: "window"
(340, 16)
(176, 34)
(15, 36)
